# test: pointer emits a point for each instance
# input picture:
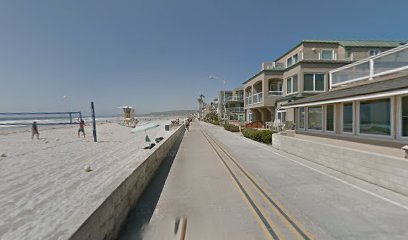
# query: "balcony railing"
(390, 61)
(257, 98)
(236, 109)
(275, 93)
(248, 101)
(235, 98)
(273, 66)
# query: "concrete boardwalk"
(229, 187)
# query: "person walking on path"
(81, 128)
(187, 123)
(34, 130)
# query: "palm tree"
(201, 104)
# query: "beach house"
(233, 105)
(301, 72)
(367, 100)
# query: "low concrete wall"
(106, 221)
(385, 171)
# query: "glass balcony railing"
(235, 98)
(275, 93)
(236, 109)
(248, 101)
(257, 98)
(390, 61)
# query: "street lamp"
(224, 100)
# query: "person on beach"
(34, 130)
(81, 128)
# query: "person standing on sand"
(34, 130)
(81, 128)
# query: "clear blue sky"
(157, 55)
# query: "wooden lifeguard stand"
(128, 118)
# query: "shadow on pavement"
(140, 216)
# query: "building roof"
(376, 87)
(344, 43)
(351, 43)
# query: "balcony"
(275, 93)
(273, 66)
(257, 98)
(248, 101)
(236, 109)
(234, 98)
(390, 61)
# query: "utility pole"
(93, 121)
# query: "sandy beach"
(45, 193)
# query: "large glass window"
(292, 60)
(330, 117)
(289, 85)
(281, 116)
(308, 82)
(302, 117)
(275, 88)
(314, 118)
(313, 82)
(404, 113)
(295, 83)
(327, 55)
(348, 117)
(292, 84)
(375, 117)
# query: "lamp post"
(224, 100)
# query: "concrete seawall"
(385, 171)
(106, 221)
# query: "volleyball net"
(42, 118)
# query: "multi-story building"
(233, 105)
(301, 72)
(367, 100)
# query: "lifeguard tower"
(128, 118)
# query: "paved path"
(229, 187)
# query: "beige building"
(368, 100)
(301, 72)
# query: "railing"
(275, 93)
(390, 61)
(236, 109)
(248, 101)
(235, 98)
(257, 98)
(273, 66)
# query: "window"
(292, 60)
(302, 117)
(292, 84)
(275, 88)
(348, 117)
(404, 116)
(314, 118)
(330, 118)
(289, 85)
(373, 52)
(281, 116)
(313, 82)
(327, 55)
(250, 116)
(375, 117)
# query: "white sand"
(45, 192)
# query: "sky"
(157, 55)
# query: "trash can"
(167, 127)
